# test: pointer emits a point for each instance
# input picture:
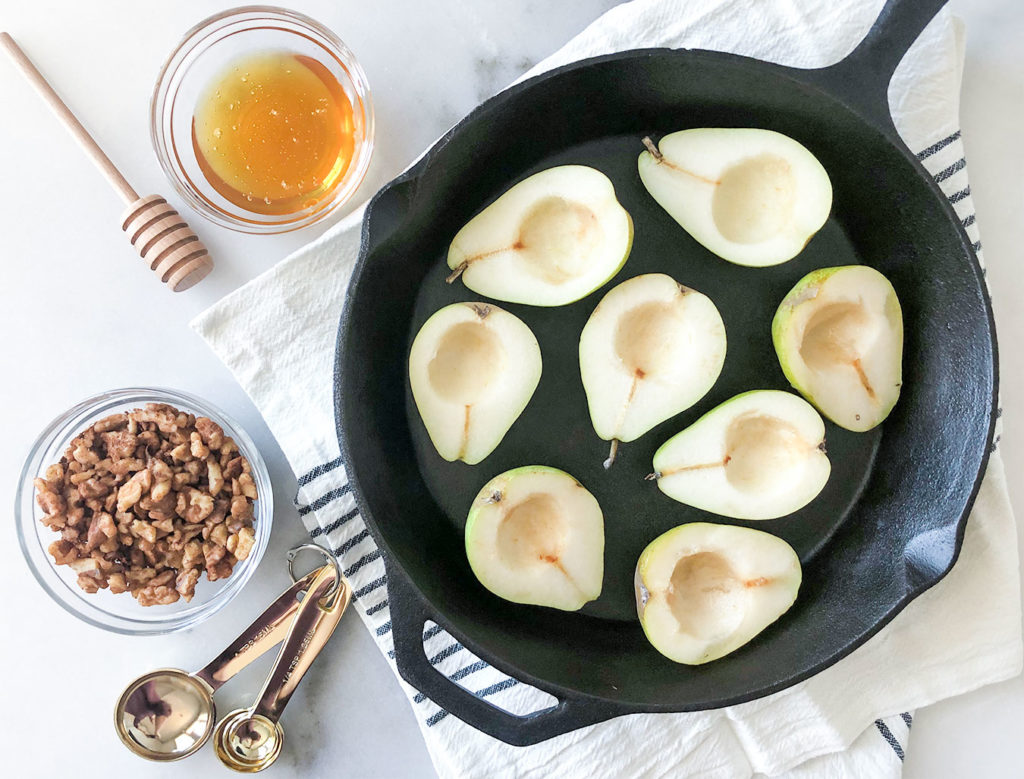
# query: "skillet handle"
(388, 208)
(408, 615)
(861, 79)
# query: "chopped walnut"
(221, 570)
(163, 415)
(55, 521)
(130, 492)
(200, 506)
(117, 583)
(193, 555)
(144, 530)
(163, 595)
(233, 469)
(212, 433)
(90, 583)
(147, 501)
(63, 552)
(120, 444)
(48, 499)
(247, 485)
(84, 565)
(214, 477)
(93, 488)
(81, 476)
(241, 508)
(182, 452)
(161, 490)
(213, 554)
(246, 540)
(219, 535)
(126, 466)
(85, 455)
(113, 422)
(101, 528)
(161, 471)
(198, 448)
(186, 583)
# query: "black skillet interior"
(890, 521)
(556, 430)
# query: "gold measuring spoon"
(168, 714)
(249, 740)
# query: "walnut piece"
(147, 501)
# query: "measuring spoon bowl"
(165, 715)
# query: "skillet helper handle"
(390, 207)
(408, 616)
(861, 79)
(266, 631)
(313, 625)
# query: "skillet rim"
(817, 79)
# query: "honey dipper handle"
(89, 146)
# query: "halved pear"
(536, 535)
(651, 349)
(551, 239)
(703, 591)
(758, 455)
(473, 368)
(839, 338)
(753, 197)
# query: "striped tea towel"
(277, 335)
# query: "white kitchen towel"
(277, 335)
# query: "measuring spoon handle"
(314, 623)
(266, 631)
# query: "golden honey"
(274, 133)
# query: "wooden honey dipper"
(156, 230)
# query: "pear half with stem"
(753, 197)
(839, 338)
(703, 590)
(551, 239)
(536, 535)
(473, 368)
(758, 455)
(651, 349)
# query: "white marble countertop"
(429, 64)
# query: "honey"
(274, 133)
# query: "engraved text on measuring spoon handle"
(266, 631)
(313, 626)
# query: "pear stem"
(612, 452)
(653, 149)
(652, 476)
(451, 277)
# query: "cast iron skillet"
(888, 525)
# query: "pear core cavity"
(532, 532)
(754, 199)
(467, 360)
(557, 239)
(705, 596)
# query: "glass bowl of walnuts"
(143, 511)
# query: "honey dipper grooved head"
(168, 245)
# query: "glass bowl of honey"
(262, 120)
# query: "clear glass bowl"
(121, 613)
(203, 54)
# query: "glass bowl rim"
(74, 417)
(181, 182)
